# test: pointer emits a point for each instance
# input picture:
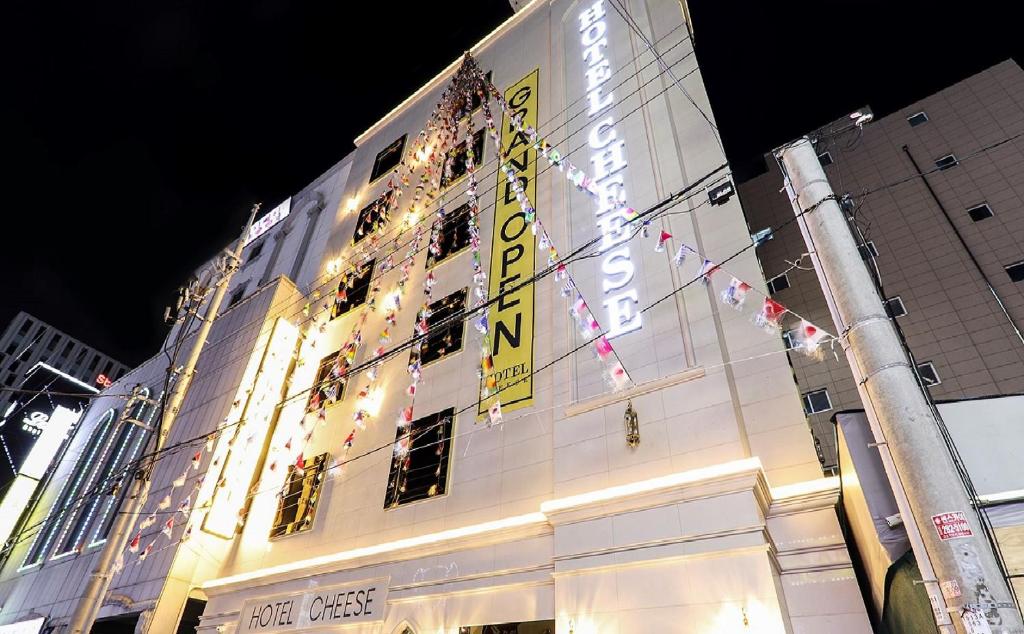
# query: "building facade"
(424, 433)
(27, 340)
(947, 244)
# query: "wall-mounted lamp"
(632, 425)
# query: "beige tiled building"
(965, 343)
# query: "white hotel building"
(718, 520)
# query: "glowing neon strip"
(86, 473)
(109, 416)
(96, 539)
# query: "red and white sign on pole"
(952, 525)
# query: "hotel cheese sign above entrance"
(316, 608)
(513, 257)
(608, 160)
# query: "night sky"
(136, 135)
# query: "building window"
(12, 348)
(917, 119)
(450, 234)
(254, 252)
(352, 290)
(825, 158)
(237, 295)
(419, 468)
(388, 158)
(778, 283)
(296, 506)
(928, 374)
(946, 162)
(70, 501)
(25, 325)
(868, 250)
(373, 217)
(94, 362)
(894, 306)
(66, 352)
(1016, 271)
(329, 385)
(51, 345)
(788, 340)
(455, 162)
(816, 401)
(444, 328)
(980, 212)
(115, 474)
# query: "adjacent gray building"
(29, 340)
(938, 192)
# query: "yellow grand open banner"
(513, 257)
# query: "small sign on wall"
(952, 525)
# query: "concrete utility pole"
(930, 495)
(99, 581)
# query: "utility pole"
(99, 581)
(959, 568)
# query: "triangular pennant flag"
(147, 522)
(118, 565)
(735, 293)
(145, 552)
(180, 480)
(770, 317)
(680, 257)
(603, 347)
(196, 459)
(168, 527)
(809, 338)
(133, 546)
(183, 508)
(164, 503)
(707, 269)
(662, 239)
(494, 413)
(618, 376)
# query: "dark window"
(928, 373)
(94, 362)
(254, 252)
(373, 217)
(296, 506)
(12, 348)
(917, 119)
(51, 345)
(419, 468)
(388, 158)
(778, 283)
(444, 328)
(108, 367)
(980, 212)
(475, 101)
(816, 401)
(66, 352)
(120, 373)
(25, 325)
(788, 340)
(450, 235)
(329, 384)
(1016, 271)
(946, 162)
(825, 158)
(455, 163)
(352, 290)
(894, 306)
(9, 379)
(868, 250)
(237, 295)
(81, 355)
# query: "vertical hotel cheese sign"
(513, 257)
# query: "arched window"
(68, 500)
(101, 475)
(116, 474)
